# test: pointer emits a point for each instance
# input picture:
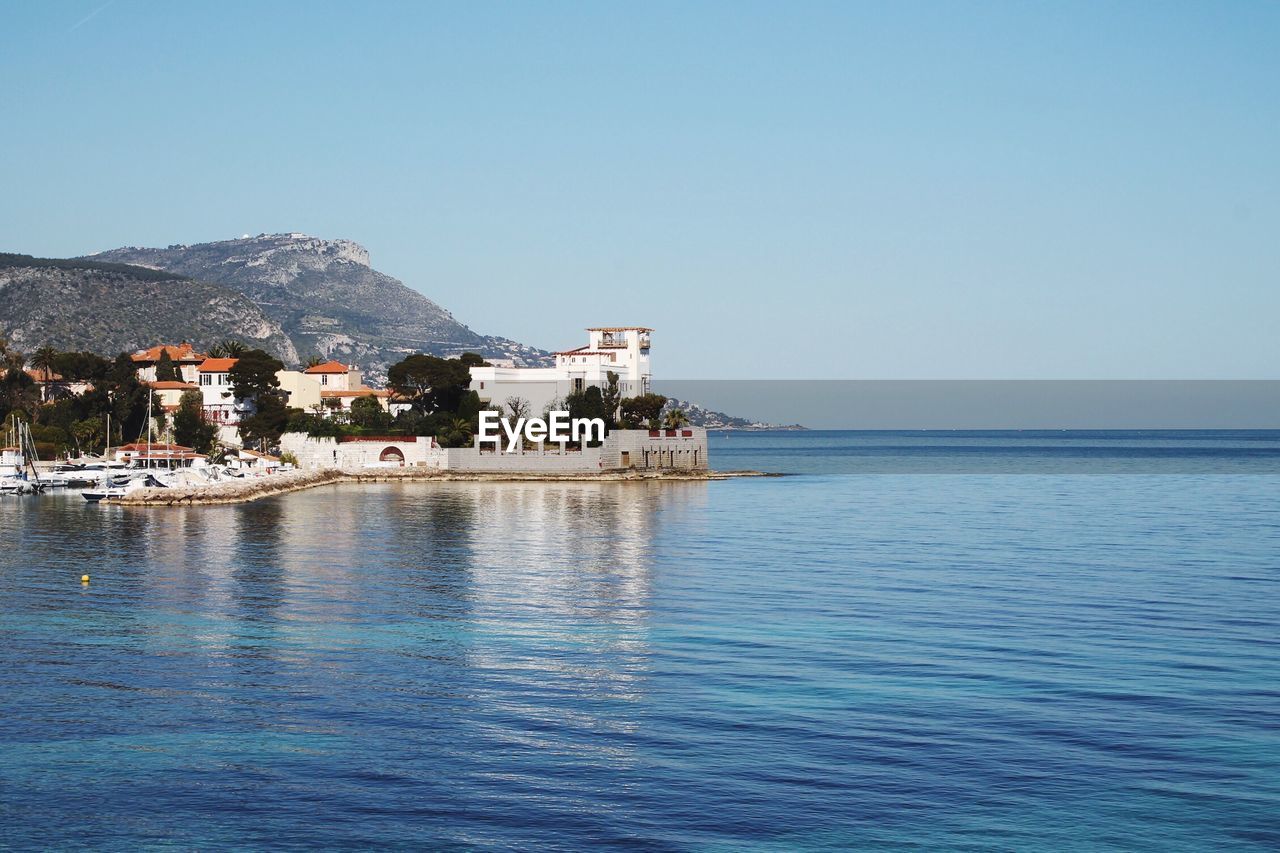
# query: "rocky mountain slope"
(328, 299)
(110, 308)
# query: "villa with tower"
(623, 350)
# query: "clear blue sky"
(785, 190)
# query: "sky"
(846, 190)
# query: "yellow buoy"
(84, 579)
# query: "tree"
(254, 382)
(230, 348)
(87, 434)
(588, 403)
(265, 426)
(315, 360)
(10, 359)
(644, 410)
(253, 376)
(675, 419)
(611, 396)
(429, 383)
(165, 371)
(86, 366)
(127, 399)
(518, 407)
(190, 429)
(455, 433)
(367, 413)
(44, 360)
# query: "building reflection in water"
(487, 609)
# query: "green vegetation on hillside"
(11, 259)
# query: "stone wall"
(363, 452)
(643, 450)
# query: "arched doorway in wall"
(392, 454)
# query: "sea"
(912, 640)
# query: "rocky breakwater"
(252, 488)
(231, 491)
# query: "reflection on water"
(465, 625)
(806, 662)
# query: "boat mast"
(33, 458)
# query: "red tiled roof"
(172, 385)
(217, 365)
(142, 445)
(43, 375)
(357, 392)
(618, 329)
(329, 367)
(179, 352)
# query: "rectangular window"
(324, 379)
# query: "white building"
(623, 350)
(220, 404)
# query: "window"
(324, 379)
(206, 379)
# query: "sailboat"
(17, 459)
(121, 485)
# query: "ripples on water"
(987, 659)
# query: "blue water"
(851, 657)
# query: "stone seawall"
(250, 489)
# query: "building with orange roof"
(53, 385)
(336, 376)
(185, 360)
(213, 377)
(169, 392)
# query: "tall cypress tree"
(165, 371)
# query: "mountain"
(110, 308)
(328, 299)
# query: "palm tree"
(314, 360)
(675, 419)
(230, 348)
(43, 361)
(457, 432)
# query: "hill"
(328, 299)
(113, 307)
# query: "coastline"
(251, 489)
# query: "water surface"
(994, 658)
